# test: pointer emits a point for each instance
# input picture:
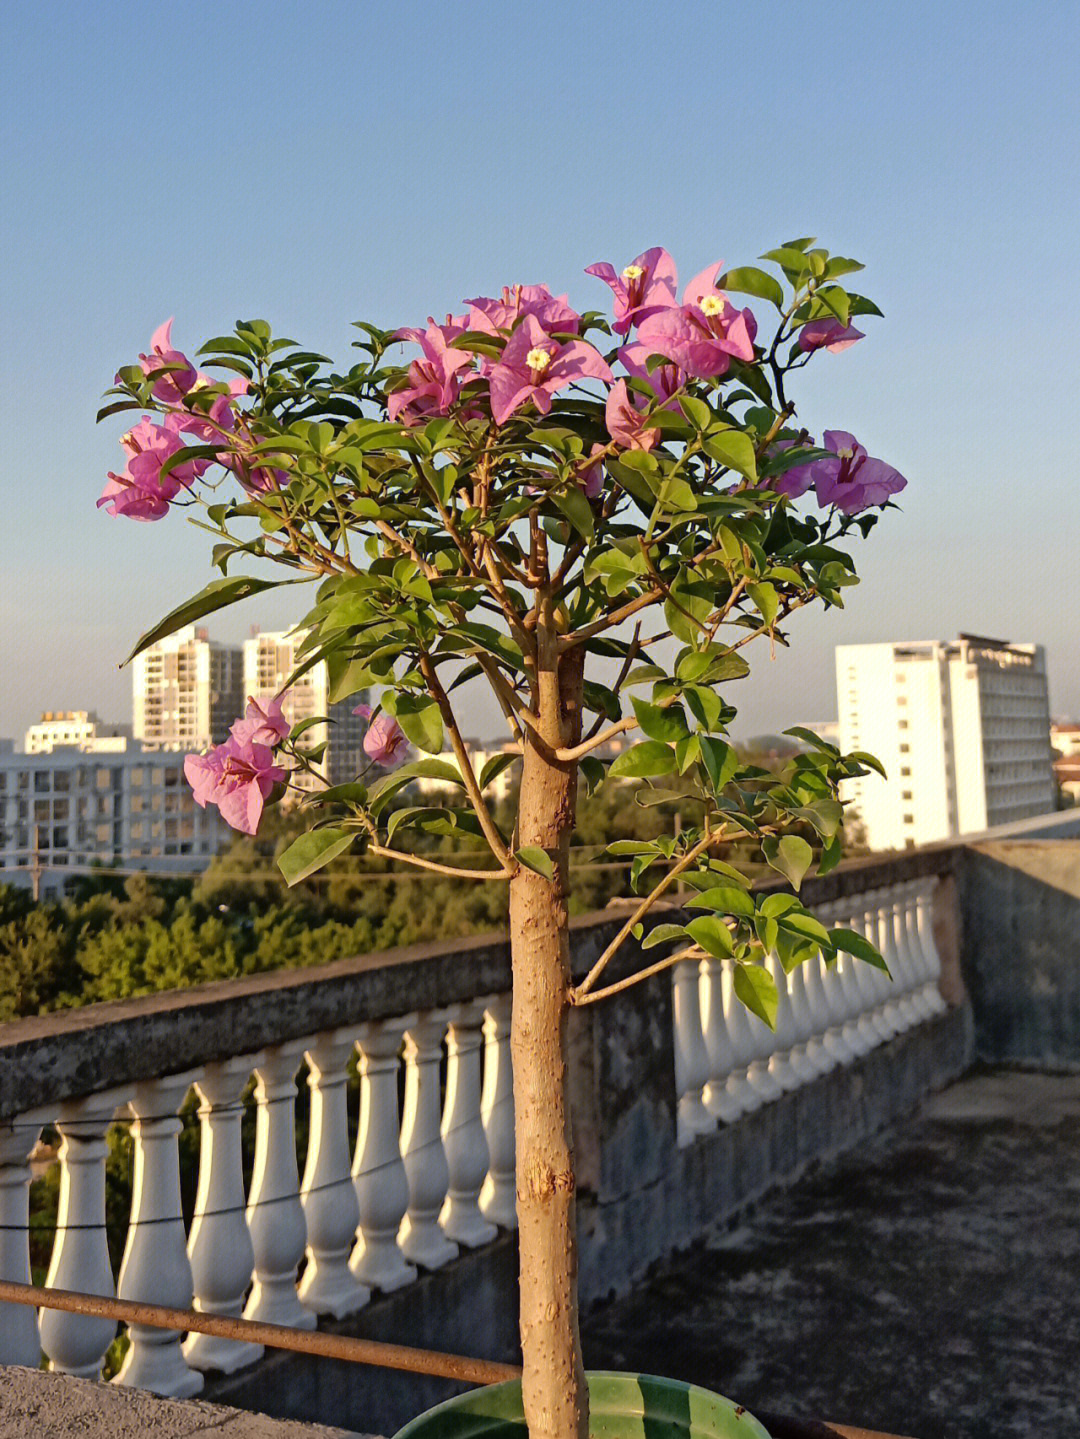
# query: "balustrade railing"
(419, 1043)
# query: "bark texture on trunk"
(553, 1386)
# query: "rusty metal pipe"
(274, 1336)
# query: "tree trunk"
(555, 1396)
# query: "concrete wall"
(1019, 904)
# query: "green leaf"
(859, 946)
(577, 510)
(734, 449)
(831, 855)
(419, 717)
(667, 724)
(711, 935)
(494, 767)
(697, 412)
(351, 793)
(749, 280)
(720, 761)
(869, 760)
(536, 859)
(705, 705)
(687, 751)
(809, 737)
(216, 596)
(790, 856)
(311, 851)
(755, 987)
(788, 258)
(661, 934)
(726, 899)
(766, 599)
(593, 772)
(650, 758)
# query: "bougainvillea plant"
(594, 517)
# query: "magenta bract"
(534, 366)
(645, 285)
(828, 335)
(238, 777)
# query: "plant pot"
(621, 1406)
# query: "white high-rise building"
(962, 728)
(187, 690)
(269, 660)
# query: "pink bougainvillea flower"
(647, 284)
(534, 366)
(664, 380)
(434, 382)
(624, 417)
(236, 776)
(828, 334)
(212, 422)
(848, 478)
(385, 743)
(591, 474)
(262, 723)
(704, 332)
(552, 312)
(172, 386)
(140, 491)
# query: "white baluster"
(274, 1214)
(155, 1267)
(691, 1058)
(498, 1197)
(738, 1086)
(924, 912)
(19, 1341)
(817, 1051)
(780, 1065)
(464, 1141)
(763, 1046)
(219, 1245)
(421, 1239)
(866, 980)
(802, 1026)
(382, 1189)
(917, 959)
(716, 1097)
(327, 1193)
(887, 1016)
(76, 1343)
(836, 1001)
(854, 1032)
(898, 959)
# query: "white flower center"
(633, 272)
(712, 305)
(848, 454)
(538, 360)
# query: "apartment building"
(74, 807)
(269, 659)
(962, 728)
(74, 727)
(187, 690)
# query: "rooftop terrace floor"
(925, 1285)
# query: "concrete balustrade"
(419, 1183)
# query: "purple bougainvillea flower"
(704, 332)
(828, 334)
(140, 491)
(849, 478)
(663, 379)
(262, 723)
(794, 481)
(236, 776)
(434, 382)
(623, 415)
(647, 284)
(171, 387)
(385, 743)
(552, 312)
(534, 366)
(591, 474)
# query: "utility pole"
(35, 867)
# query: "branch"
(710, 838)
(468, 775)
(435, 866)
(635, 978)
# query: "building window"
(902, 724)
(905, 770)
(909, 819)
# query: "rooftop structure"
(61, 728)
(962, 728)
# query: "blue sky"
(316, 163)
